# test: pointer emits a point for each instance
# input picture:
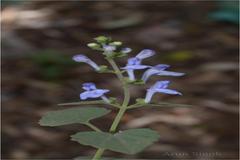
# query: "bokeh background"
(198, 38)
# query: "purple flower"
(85, 59)
(134, 63)
(161, 87)
(92, 92)
(159, 70)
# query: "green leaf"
(129, 142)
(72, 115)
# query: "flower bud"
(116, 43)
(92, 45)
(102, 39)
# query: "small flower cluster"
(112, 50)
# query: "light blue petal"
(135, 67)
(126, 50)
(85, 59)
(168, 91)
(89, 86)
(131, 74)
(84, 95)
(149, 95)
(93, 93)
(149, 73)
(145, 54)
(134, 61)
(159, 70)
(161, 67)
(80, 58)
(160, 85)
(168, 73)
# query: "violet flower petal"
(85, 59)
(145, 54)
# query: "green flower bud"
(140, 101)
(116, 43)
(102, 39)
(92, 45)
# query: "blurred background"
(198, 38)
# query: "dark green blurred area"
(52, 64)
(198, 38)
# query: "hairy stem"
(122, 110)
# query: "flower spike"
(85, 59)
(92, 92)
(159, 70)
(160, 87)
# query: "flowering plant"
(130, 141)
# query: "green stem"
(126, 96)
(121, 78)
(117, 119)
(93, 127)
(98, 154)
(135, 106)
(122, 110)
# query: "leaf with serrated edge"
(72, 115)
(129, 141)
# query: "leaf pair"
(129, 141)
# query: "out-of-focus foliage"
(228, 11)
(51, 64)
(179, 56)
